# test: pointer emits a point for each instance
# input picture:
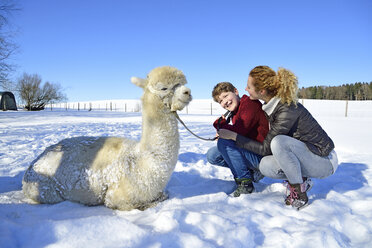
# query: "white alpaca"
(120, 173)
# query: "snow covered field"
(199, 212)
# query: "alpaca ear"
(138, 81)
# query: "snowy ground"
(199, 212)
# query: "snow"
(199, 212)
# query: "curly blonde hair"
(281, 84)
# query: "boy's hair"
(282, 84)
(220, 88)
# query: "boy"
(247, 119)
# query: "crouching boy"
(245, 117)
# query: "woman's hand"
(227, 134)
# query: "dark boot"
(306, 185)
(297, 197)
(244, 186)
(256, 175)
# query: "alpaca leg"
(120, 204)
(162, 196)
(40, 188)
(41, 192)
(120, 196)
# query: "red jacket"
(249, 120)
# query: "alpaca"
(117, 172)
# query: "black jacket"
(294, 121)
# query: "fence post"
(211, 109)
(347, 103)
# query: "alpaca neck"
(159, 131)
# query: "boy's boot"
(256, 175)
(297, 196)
(244, 186)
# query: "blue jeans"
(292, 160)
(215, 157)
(239, 160)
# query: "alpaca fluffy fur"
(117, 172)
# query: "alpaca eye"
(164, 88)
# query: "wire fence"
(206, 106)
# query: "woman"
(296, 146)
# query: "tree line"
(356, 91)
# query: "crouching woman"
(296, 147)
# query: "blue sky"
(92, 48)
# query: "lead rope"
(179, 119)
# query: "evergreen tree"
(356, 91)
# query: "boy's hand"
(227, 134)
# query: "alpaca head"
(166, 84)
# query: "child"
(296, 146)
(248, 120)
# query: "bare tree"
(35, 95)
(7, 46)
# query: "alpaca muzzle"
(182, 97)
